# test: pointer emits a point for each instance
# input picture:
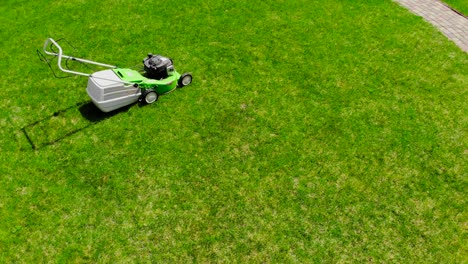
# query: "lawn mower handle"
(60, 55)
(49, 42)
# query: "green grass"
(459, 5)
(314, 131)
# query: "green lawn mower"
(116, 87)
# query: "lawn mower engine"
(157, 67)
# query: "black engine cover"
(156, 66)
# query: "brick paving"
(451, 23)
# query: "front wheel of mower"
(184, 80)
(149, 96)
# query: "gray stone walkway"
(449, 22)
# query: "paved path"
(449, 22)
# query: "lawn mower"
(116, 87)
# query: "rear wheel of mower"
(184, 80)
(149, 96)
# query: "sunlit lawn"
(314, 131)
(459, 5)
